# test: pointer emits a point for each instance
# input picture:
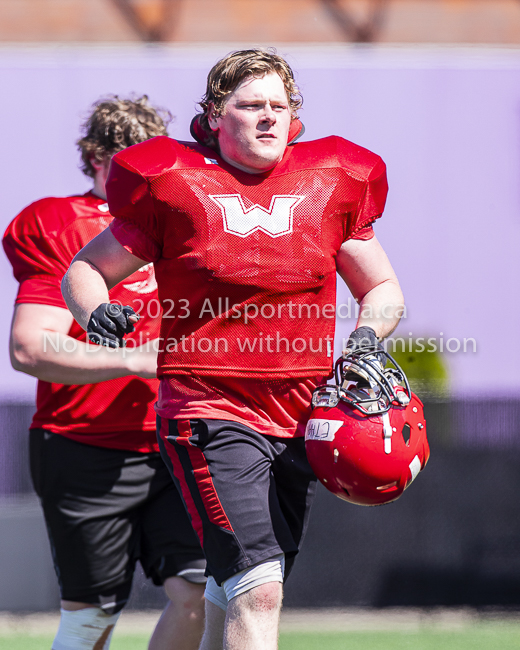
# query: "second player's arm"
(40, 346)
(365, 268)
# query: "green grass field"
(481, 636)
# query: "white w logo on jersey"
(276, 221)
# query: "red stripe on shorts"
(184, 428)
(214, 509)
(178, 470)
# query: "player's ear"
(98, 165)
(95, 163)
(212, 117)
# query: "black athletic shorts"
(248, 495)
(105, 509)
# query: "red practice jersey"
(246, 264)
(40, 244)
(246, 268)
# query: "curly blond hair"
(115, 124)
(228, 73)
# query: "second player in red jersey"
(40, 244)
(107, 497)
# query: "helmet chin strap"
(387, 433)
(387, 427)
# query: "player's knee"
(186, 596)
(267, 575)
(264, 598)
(85, 629)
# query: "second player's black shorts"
(104, 510)
(248, 495)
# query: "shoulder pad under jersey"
(157, 155)
(334, 151)
(52, 213)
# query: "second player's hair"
(115, 124)
(229, 72)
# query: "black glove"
(364, 337)
(109, 323)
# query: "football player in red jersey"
(247, 230)
(107, 496)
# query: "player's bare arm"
(365, 268)
(98, 267)
(41, 347)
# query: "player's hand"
(364, 338)
(109, 323)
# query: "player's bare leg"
(182, 620)
(213, 638)
(253, 619)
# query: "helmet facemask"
(370, 381)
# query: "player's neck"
(99, 190)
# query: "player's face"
(254, 126)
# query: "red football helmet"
(366, 437)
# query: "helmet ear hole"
(406, 434)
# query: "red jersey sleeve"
(128, 186)
(366, 172)
(38, 260)
(129, 198)
(374, 199)
(135, 240)
(365, 233)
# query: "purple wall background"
(446, 121)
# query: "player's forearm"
(58, 358)
(382, 308)
(84, 289)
